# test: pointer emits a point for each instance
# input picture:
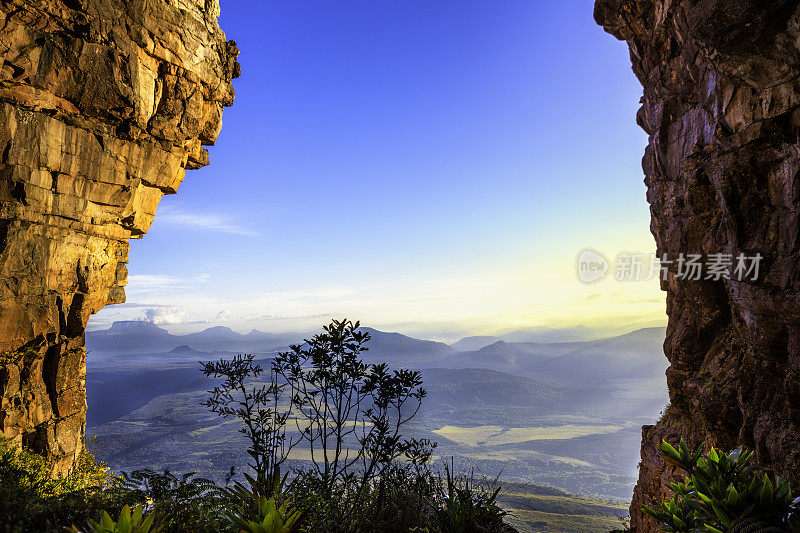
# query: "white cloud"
(165, 315)
(224, 315)
(141, 284)
(156, 313)
(206, 220)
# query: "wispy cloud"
(205, 220)
(152, 282)
(161, 282)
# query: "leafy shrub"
(725, 493)
(363, 475)
(257, 406)
(401, 499)
(347, 413)
(33, 499)
(88, 472)
(34, 474)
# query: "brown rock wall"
(721, 106)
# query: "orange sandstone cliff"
(104, 105)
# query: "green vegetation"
(270, 518)
(128, 522)
(725, 493)
(185, 503)
(32, 473)
(467, 507)
(33, 499)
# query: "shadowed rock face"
(104, 104)
(722, 108)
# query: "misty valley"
(545, 411)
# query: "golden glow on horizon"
(529, 292)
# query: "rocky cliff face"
(722, 108)
(104, 104)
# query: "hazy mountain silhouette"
(635, 355)
(399, 349)
(540, 335)
(130, 336)
(138, 337)
(185, 349)
(469, 344)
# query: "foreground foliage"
(128, 522)
(725, 493)
(179, 503)
(32, 499)
(467, 506)
(348, 414)
(270, 518)
(405, 499)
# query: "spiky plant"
(725, 493)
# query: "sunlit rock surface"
(104, 104)
(722, 108)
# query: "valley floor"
(539, 509)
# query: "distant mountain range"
(138, 337)
(564, 413)
(636, 355)
(537, 335)
(145, 338)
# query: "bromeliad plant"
(128, 522)
(271, 518)
(725, 493)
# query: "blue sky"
(407, 162)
